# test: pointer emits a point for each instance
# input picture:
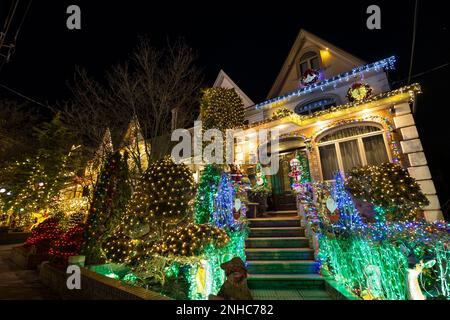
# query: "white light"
(41, 184)
(9, 193)
(2, 190)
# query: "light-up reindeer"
(414, 291)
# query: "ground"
(19, 284)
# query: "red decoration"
(68, 245)
(309, 77)
(43, 235)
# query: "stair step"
(281, 213)
(282, 267)
(277, 232)
(274, 242)
(274, 222)
(280, 254)
(285, 281)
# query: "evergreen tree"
(160, 201)
(223, 204)
(110, 198)
(204, 203)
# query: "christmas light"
(387, 64)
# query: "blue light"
(388, 64)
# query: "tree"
(33, 183)
(221, 109)
(111, 195)
(204, 202)
(161, 200)
(157, 87)
(223, 204)
(16, 130)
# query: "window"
(310, 107)
(347, 148)
(328, 159)
(310, 60)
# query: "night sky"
(248, 39)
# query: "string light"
(221, 109)
(387, 64)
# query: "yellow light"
(325, 55)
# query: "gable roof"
(224, 81)
(303, 37)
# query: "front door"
(283, 199)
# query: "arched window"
(310, 60)
(345, 148)
(315, 105)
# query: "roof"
(303, 37)
(224, 81)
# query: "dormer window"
(310, 60)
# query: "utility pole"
(11, 28)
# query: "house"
(309, 105)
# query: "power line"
(413, 41)
(423, 73)
(24, 96)
(9, 18)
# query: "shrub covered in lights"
(388, 186)
(376, 260)
(190, 240)
(221, 109)
(42, 235)
(69, 244)
(161, 200)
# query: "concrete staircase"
(279, 256)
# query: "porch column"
(417, 165)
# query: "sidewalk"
(18, 284)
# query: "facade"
(308, 104)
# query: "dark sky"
(248, 39)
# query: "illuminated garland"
(298, 119)
(282, 113)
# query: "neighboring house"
(331, 132)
